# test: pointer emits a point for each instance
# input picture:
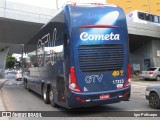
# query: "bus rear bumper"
(95, 99)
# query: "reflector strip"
(99, 26)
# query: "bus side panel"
(49, 63)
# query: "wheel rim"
(51, 95)
(154, 101)
(158, 78)
(44, 94)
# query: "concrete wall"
(144, 52)
(22, 12)
(147, 29)
(155, 48)
(3, 55)
(147, 51)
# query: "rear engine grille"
(99, 58)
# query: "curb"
(2, 82)
(1, 103)
(2, 109)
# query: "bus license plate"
(105, 96)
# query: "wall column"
(3, 55)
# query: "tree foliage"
(10, 61)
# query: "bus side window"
(31, 59)
(40, 56)
(65, 40)
(47, 52)
(55, 52)
(58, 49)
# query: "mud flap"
(60, 89)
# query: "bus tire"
(51, 98)
(45, 94)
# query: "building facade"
(150, 6)
(144, 47)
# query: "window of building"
(141, 15)
(147, 17)
(152, 18)
(156, 19)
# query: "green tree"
(10, 61)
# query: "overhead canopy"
(13, 33)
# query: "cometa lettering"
(86, 36)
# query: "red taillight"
(151, 73)
(118, 6)
(128, 80)
(83, 100)
(72, 81)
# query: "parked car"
(151, 73)
(18, 75)
(10, 71)
(153, 95)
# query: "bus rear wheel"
(51, 98)
(45, 93)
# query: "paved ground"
(16, 98)
(2, 82)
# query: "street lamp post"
(57, 4)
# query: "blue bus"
(80, 58)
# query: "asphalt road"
(16, 98)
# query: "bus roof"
(91, 4)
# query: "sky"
(52, 3)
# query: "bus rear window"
(86, 16)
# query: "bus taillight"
(128, 80)
(72, 81)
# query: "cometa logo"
(86, 36)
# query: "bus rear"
(99, 70)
